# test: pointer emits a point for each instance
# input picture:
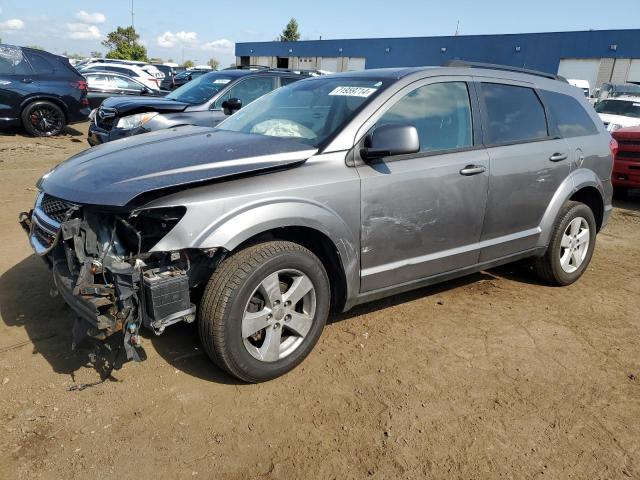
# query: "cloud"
(86, 17)
(170, 39)
(12, 24)
(82, 31)
(222, 45)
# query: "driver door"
(422, 213)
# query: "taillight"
(613, 146)
(80, 85)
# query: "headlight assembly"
(135, 121)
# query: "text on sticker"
(353, 91)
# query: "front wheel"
(43, 119)
(264, 310)
(571, 248)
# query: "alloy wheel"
(279, 315)
(574, 245)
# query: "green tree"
(95, 54)
(213, 63)
(290, 32)
(123, 45)
(35, 47)
(189, 64)
(156, 60)
(75, 56)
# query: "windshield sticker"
(636, 104)
(379, 84)
(353, 91)
(221, 81)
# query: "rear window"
(619, 107)
(571, 117)
(514, 114)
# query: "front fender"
(576, 180)
(238, 225)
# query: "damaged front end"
(104, 267)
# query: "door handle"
(558, 157)
(472, 170)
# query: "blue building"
(597, 55)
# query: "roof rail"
(505, 68)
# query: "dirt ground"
(490, 376)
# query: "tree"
(35, 47)
(75, 56)
(189, 64)
(156, 60)
(95, 54)
(213, 63)
(290, 32)
(123, 45)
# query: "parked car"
(612, 90)
(619, 112)
(150, 69)
(328, 193)
(40, 91)
(626, 165)
(204, 101)
(186, 76)
(105, 84)
(169, 73)
(133, 71)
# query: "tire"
(238, 299)
(43, 119)
(551, 267)
(620, 192)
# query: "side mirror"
(389, 140)
(145, 91)
(231, 106)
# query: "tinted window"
(441, 112)
(40, 64)
(571, 117)
(514, 114)
(287, 80)
(249, 90)
(200, 90)
(12, 62)
(99, 81)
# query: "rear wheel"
(571, 248)
(264, 310)
(43, 119)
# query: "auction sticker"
(353, 91)
(222, 81)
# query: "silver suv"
(324, 194)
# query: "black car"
(186, 76)
(40, 91)
(104, 84)
(169, 74)
(204, 101)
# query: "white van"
(582, 85)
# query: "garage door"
(356, 63)
(580, 69)
(634, 71)
(329, 64)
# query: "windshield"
(619, 107)
(200, 89)
(308, 111)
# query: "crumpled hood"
(130, 105)
(115, 173)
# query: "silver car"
(324, 194)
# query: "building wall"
(539, 51)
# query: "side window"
(99, 82)
(123, 83)
(40, 64)
(249, 90)
(441, 112)
(14, 63)
(514, 114)
(571, 117)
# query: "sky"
(200, 29)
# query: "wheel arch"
(581, 185)
(47, 98)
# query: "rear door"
(529, 161)
(422, 214)
(100, 87)
(17, 81)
